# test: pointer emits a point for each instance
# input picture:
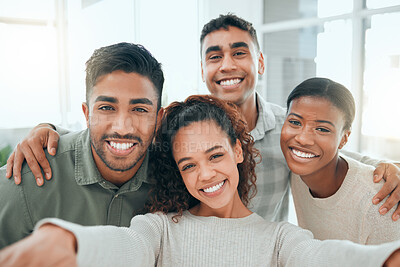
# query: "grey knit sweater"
(155, 240)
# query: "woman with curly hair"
(202, 117)
(198, 214)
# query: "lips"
(229, 82)
(213, 190)
(121, 148)
(301, 155)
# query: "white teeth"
(214, 188)
(120, 146)
(230, 82)
(303, 154)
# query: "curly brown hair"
(169, 193)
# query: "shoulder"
(362, 175)
(156, 220)
(66, 147)
(68, 141)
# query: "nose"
(123, 124)
(206, 172)
(305, 136)
(228, 63)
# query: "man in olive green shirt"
(102, 171)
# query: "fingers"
(39, 156)
(17, 165)
(10, 163)
(386, 189)
(390, 202)
(379, 173)
(396, 213)
(26, 152)
(52, 142)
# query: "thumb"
(52, 142)
(378, 173)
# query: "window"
(29, 63)
(352, 42)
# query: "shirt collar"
(266, 118)
(86, 171)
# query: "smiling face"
(121, 117)
(230, 64)
(208, 162)
(312, 134)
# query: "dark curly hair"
(169, 193)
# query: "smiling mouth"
(230, 82)
(214, 188)
(121, 148)
(304, 155)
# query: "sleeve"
(15, 219)
(138, 245)
(296, 247)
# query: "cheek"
(190, 183)
(146, 125)
(329, 145)
(286, 133)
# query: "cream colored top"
(349, 213)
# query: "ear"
(345, 138)
(261, 64)
(85, 110)
(160, 115)
(238, 152)
(202, 72)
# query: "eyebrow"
(239, 44)
(207, 151)
(141, 101)
(106, 99)
(131, 102)
(215, 48)
(320, 121)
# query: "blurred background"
(44, 45)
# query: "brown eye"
(215, 156)
(106, 108)
(294, 122)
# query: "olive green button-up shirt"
(77, 193)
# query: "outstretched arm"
(31, 149)
(58, 241)
(48, 246)
(388, 171)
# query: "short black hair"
(334, 92)
(224, 21)
(127, 57)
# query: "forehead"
(311, 107)
(199, 137)
(224, 38)
(125, 86)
